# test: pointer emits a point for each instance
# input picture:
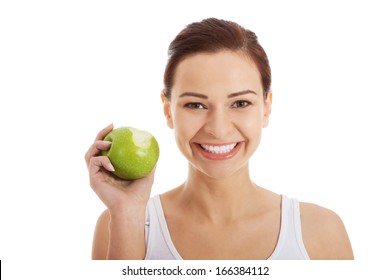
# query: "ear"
(267, 109)
(167, 110)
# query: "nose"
(218, 124)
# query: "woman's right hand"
(116, 194)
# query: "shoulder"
(324, 233)
(101, 236)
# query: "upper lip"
(218, 144)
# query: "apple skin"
(133, 152)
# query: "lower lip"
(223, 156)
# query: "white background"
(69, 68)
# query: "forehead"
(214, 72)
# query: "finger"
(102, 145)
(97, 163)
(102, 133)
(96, 148)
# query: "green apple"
(133, 152)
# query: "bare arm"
(119, 236)
(119, 232)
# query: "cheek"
(250, 122)
(254, 131)
(251, 128)
(185, 128)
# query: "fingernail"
(107, 142)
(111, 168)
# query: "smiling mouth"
(219, 152)
(220, 149)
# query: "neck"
(219, 199)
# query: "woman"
(217, 98)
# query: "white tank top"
(159, 245)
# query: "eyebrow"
(194, 94)
(203, 96)
(241, 93)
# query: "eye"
(195, 106)
(241, 104)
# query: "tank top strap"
(290, 244)
(159, 244)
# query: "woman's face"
(217, 111)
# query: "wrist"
(128, 214)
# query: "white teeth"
(218, 149)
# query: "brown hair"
(213, 35)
